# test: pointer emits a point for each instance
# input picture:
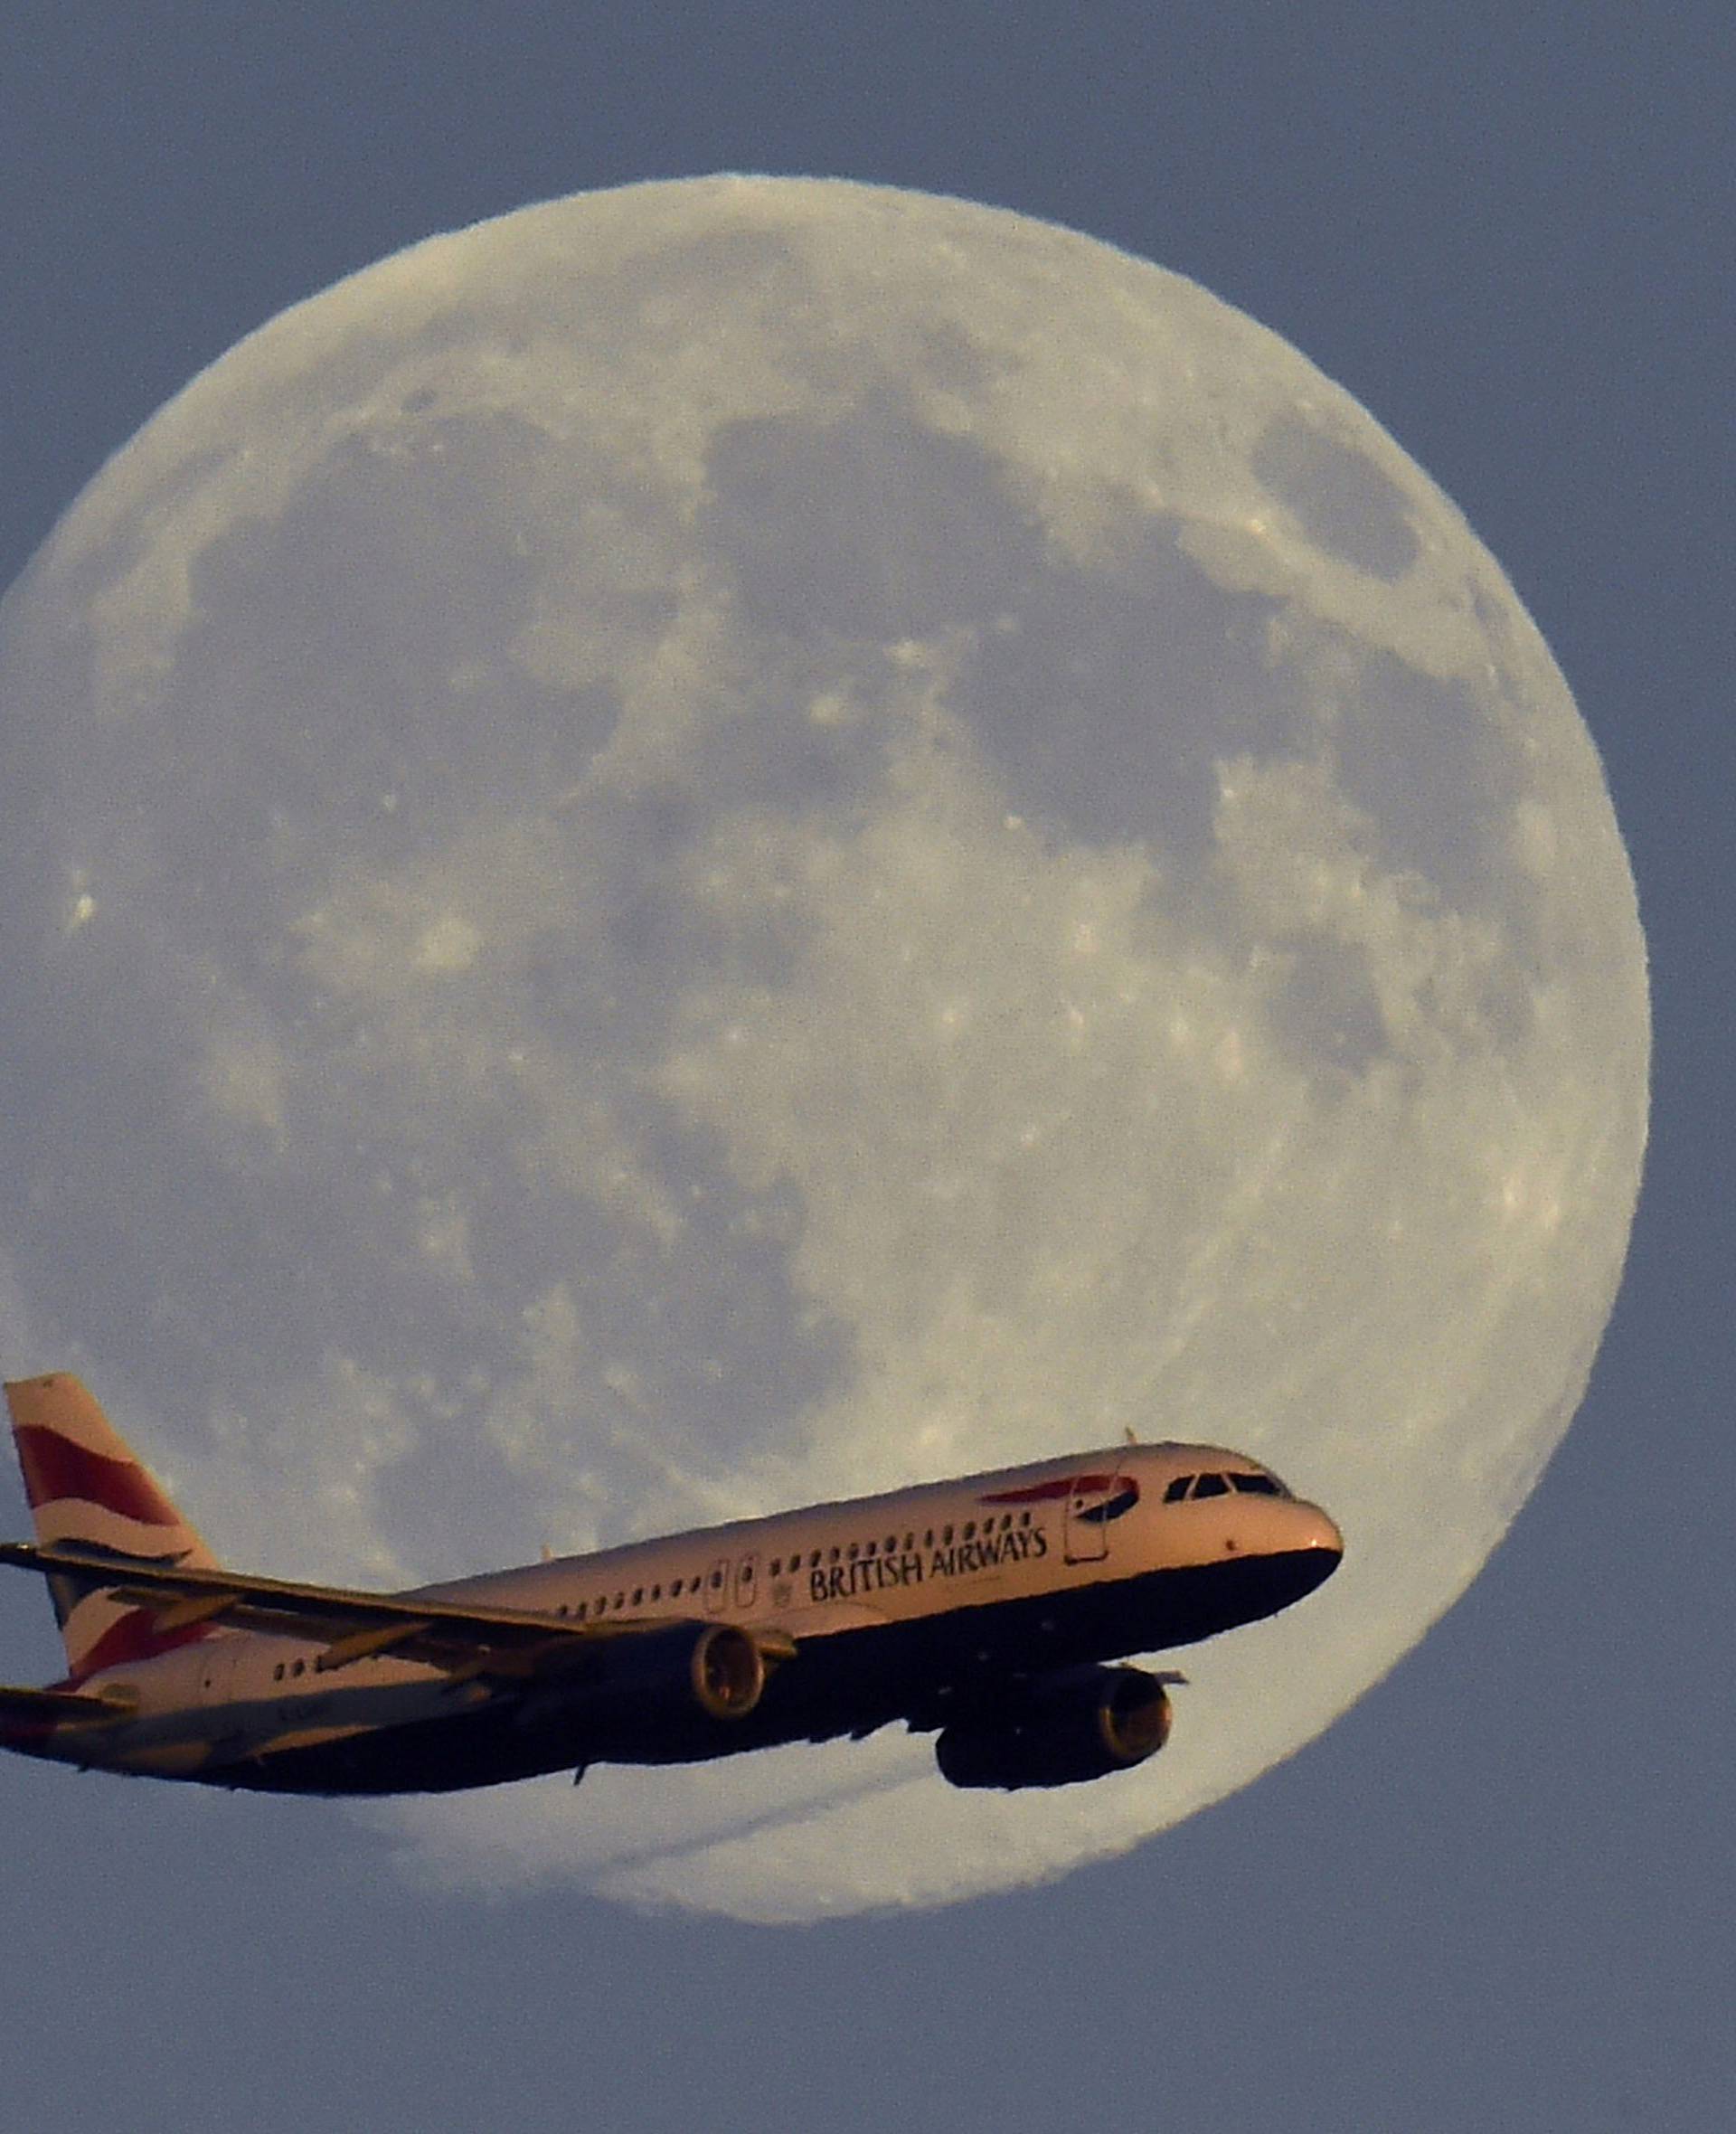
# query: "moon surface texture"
(743, 840)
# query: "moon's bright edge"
(742, 840)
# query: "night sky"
(1497, 1894)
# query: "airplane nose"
(1321, 1533)
(1324, 1533)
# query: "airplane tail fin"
(88, 1490)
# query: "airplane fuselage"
(934, 1605)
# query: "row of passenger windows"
(892, 1546)
(607, 1604)
(782, 1567)
(1222, 1484)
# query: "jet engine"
(1064, 1730)
(719, 1667)
(661, 1678)
(726, 1671)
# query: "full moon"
(743, 840)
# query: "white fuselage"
(890, 1600)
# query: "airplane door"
(717, 1587)
(747, 1584)
(217, 1658)
(1085, 1531)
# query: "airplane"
(994, 1611)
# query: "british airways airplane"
(992, 1612)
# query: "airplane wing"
(466, 1641)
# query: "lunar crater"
(1345, 503)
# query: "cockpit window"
(1256, 1485)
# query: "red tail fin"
(87, 1489)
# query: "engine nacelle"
(719, 1668)
(726, 1671)
(710, 1670)
(1065, 1729)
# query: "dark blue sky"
(1499, 1892)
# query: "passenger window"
(870, 1548)
(276, 1672)
(852, 1551)
(946, 1537)
(1211, 1485)
(970, 1529)
(620, 1600)
(1177, 1489)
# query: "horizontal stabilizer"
(60, 1707)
